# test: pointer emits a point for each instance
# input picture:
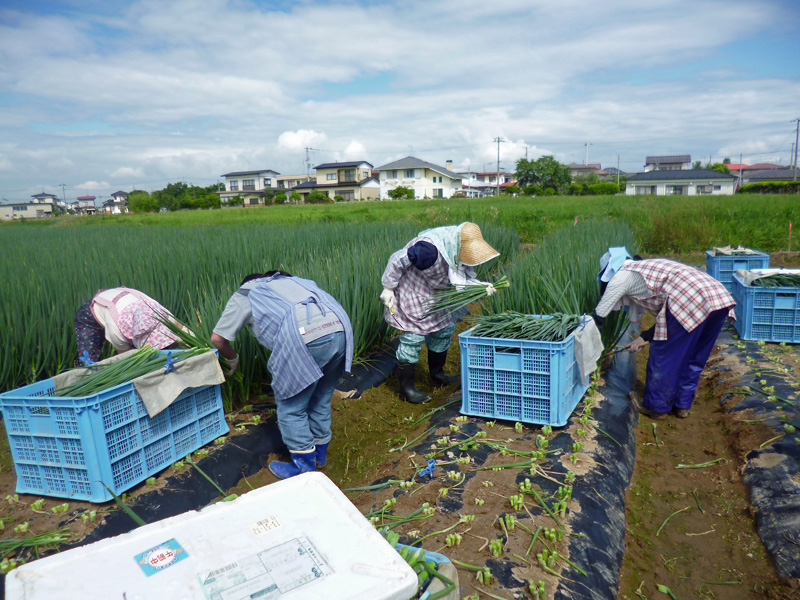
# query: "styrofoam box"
(296, 539)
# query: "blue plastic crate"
(70, 447)
(519, 380)
(721, 267)
(766, 314)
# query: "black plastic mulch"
(771, 472)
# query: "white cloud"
(143, 102)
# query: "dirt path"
(692, 529)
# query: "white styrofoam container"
(296, 539)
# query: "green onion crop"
(516, 326)
(452, 299)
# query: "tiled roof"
(679, 175)
(786, 174)
(678, 158)
(409, 162)
(342, 165)
(239, 173)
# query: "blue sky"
(102, 96)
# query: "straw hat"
(474, 249)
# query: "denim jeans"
(411, 343)
(305, 419)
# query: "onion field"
(49, 272)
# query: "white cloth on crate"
(588, 348)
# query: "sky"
(99, 96)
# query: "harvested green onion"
(777, 280)
(516, 326)
(454, 298)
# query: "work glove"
(636, 345)
(387, 297)
(233, 364)
(489, 289)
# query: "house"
(349, 180)
(685, 182)
(120, 197)
(471, 187)
(779, 174)
(289, 182)
(84, 205)
(667, 163)
(578, 170)
(26, 210)
(114, 207)
(44, 199)
(426, 179)
(251, 186)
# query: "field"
(193, 261)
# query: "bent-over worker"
(690, 308)
(435, 259)
(311, 342)
(127, 318)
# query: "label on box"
(160, 557)
(267, 574)
(265, 525)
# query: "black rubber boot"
(436, 361)
(405, 374)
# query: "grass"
(663, 224)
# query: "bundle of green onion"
(777, 280)
(454, 298)
(516, 326)
(102, 377)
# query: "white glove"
(387, 297)
(233, 364)
(490, 289)
(636, 345)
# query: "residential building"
(84, 205)
(348, 180)
(251, 186)
(779, 174)
(686, 182)
(289, 182)
(44, 199)
(668, 163)
(120, 197)
(26, 210)
(426, 179)
(580, 170)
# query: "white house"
(26, 210)
(348, 180)
(84, 205)
(250, 185)
(689, 182)
(426, 179)
(668, 163)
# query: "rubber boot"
(436, 361)
(321, 455)
(301, 463)
(405, 374)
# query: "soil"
(689, 529)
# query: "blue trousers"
(305, 419)
(411, 343)
(675, 364)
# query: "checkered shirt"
(690, 295)
(414, 290)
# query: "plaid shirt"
(690, 295)
(413, 290)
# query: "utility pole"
(739, 180)
(308, 162)
(796, 136)
(498, 141)
(586, 159)
(63, 197)
(617, 170)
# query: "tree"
(726, 161)
(295, 197)
(511, 190)
(401, 193)
(317, 197)
(545, 171)
(280, 197)
(721, 167)
(697, 164)
(140, 201)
